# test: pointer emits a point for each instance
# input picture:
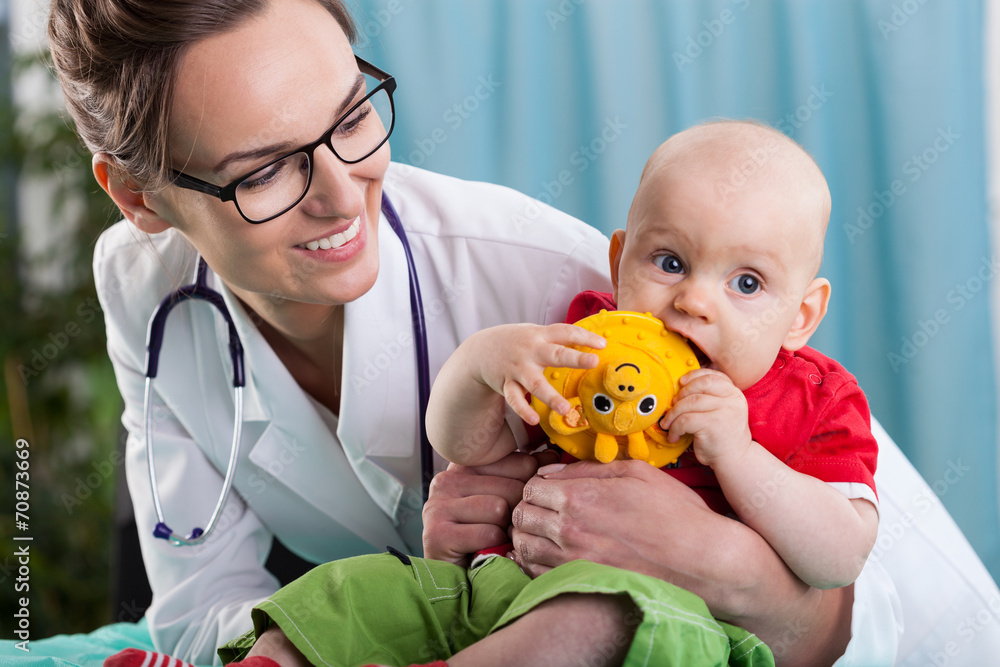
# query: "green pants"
(380, 609)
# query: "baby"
(723, 243)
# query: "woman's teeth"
(336, 240)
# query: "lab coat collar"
(255, 349)
(378, 405)
(298, 428)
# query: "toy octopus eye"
(603, 404)
(647, 405)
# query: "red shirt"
(808, 411)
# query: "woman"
(203, 118)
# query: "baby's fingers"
(548, 395)
(513, 393)
(570, 334)
(706, 381)
(697, 403)
(704, 375)
(567, 357)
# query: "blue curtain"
(565, 100)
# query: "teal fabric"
(565, 100)
(82, 650)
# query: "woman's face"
(248, 96)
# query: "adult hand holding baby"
(469, 507)
(587, 510)
(678, 538)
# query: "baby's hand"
(711, 408)
(512, 358)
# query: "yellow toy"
(618, 404)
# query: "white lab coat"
(329, 487)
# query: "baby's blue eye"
(746, 284)
(669, 264)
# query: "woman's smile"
(335, 239)
(339, 246)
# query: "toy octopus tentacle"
(573, 422)
(605, 448)
(637, 447)
(658, 435)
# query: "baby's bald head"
(737, 158)
(723, 243)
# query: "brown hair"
(117, 59)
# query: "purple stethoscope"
(200, 291)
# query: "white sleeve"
(876, 616)
(584, 268)
(201, 595)
(876, 620)
(855, 490)
(924, 597)
(949, 602)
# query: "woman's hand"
(468, 508)
(628, 514)
(623, 513)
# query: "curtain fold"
(565, 100)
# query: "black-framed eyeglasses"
(278, 186)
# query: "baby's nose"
(695, 301)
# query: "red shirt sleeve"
(588, 303)
(841, 447)
(810, 413)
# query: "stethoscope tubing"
(197, 535)
(420, 337)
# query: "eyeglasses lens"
(278, 186)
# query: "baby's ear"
(127, 196)
(615, 257)
(811, 312)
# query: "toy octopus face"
(617, 398)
